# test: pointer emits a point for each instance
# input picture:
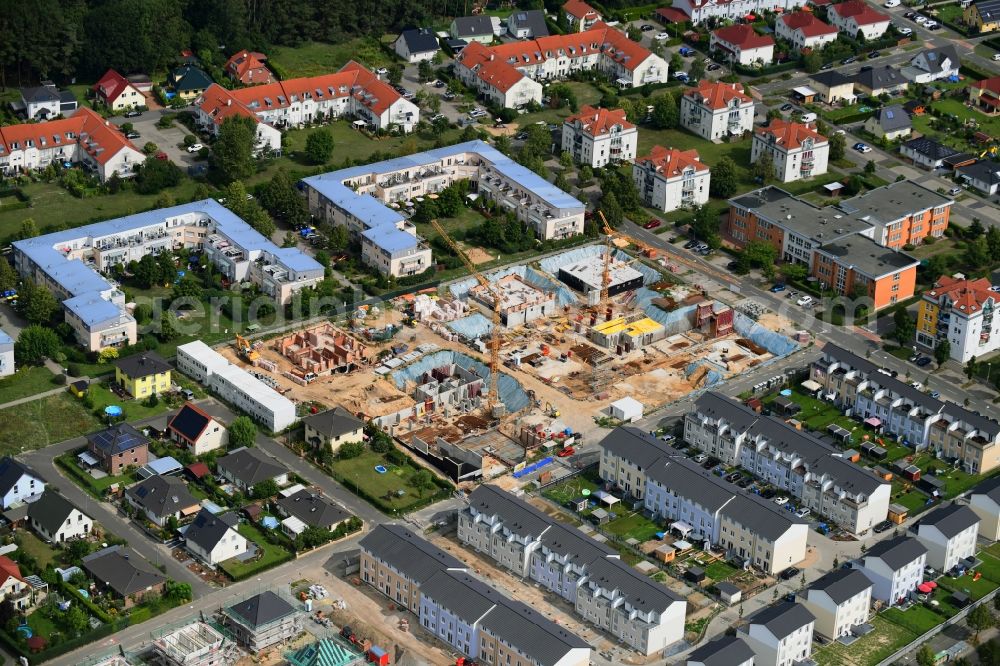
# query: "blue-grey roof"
(5, 339)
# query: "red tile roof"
(790, 135)
(967, 296)
(672, 15)
(743, 36)
(717, 95)
(489, 67)
(991, 84)
(580, 10)
(9, 569)
(95, 136)
(808, 24)
(244, 61)
(599, 121)
(672, 162)
(111, 85)
(860, 11)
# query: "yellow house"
(984, 15)
(927, 320)
(188, 81)
(144, 374)
(117, 93)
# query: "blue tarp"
(471, 327)
(270, 522)
(775, 343)
(512, 395)
(533, 467)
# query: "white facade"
(856, 16)
(236, 386)
(748, 50)
(795, 153)
(28, 487)
(7, 366)
(944, 552)
(702, 10)
(598, 137)
(803, 30)
(893, 585)
(670, 179)
(770, 650)
(230, 545)
(984, 502)
(76, 526)
(836, 618)
(714, 111)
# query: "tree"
(980, 619)
(925, 656)
(975, 230)
(971, 367)
(977, 253)
(812, 62)
(37, 304)
(425, 71)
(763, 169)
(28, 229)
(266, 488)
(313, 537)
(942, 352)
(870, 168)
(232, 154)
(724, 181)
(78, 549)
(585, 176)
(350, 450)
(242, 432)
(705, 226)
(561, 181)
(665, 114)
(319, 146)
(168, 326)
(612, 209)
(282, 200)
(762, 254)
(8, 277)
(177, 592)
(905, 327)
(566, 159)
(422, 480)
(187, 287)
(634, 33)
(992, 241)
(838, 146)
(75, 619)
(395, 74)
(794, 271)
(697, 70)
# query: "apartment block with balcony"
(668, 179)
(714, 110)
(701, 11)
(960, 311)
(598, 137)
(797, 151)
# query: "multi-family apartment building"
(804, 31)
(714, 110)
(353, 91)
(841, 244)
(362, 198)
(857, 16)
(797, 150)
(668, 178)
(72, 263)
(840, 601)
(951, 431)
(960, 311)
(949, 534)
(741, 44)
(700, 11)
(780, 634)
(598, 137)
(459, 608)
(814, 472)
(498, 72)
(700, 506)
(8, 364)
(580, 15)
(605, 592)
(895, 567)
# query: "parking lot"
(169, 140)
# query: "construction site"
(194, 644)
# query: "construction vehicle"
(552, 411)
(493, 404)
(245, 349)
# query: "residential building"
(890, 123)
(45, 102)
(832, 87)
(72, 263)
(722, 651)
(780, 634)
(699, 11)
(496, 80)
(812, 471)
(117, 93)
(984, 499)
(213, 538)
(14, 587)
(247, 467)
(416, 44)
(248, 68)
(933, 64)
(641, 613)
(313, 509)
(880, 80)
(124, 574)
(948, 429)
(926, 152)
(333, 428)
(598, 137)
(56, 520)
(668, 179)
(473, 29)
(580, 15)
(263, 620)
(797, 150)
(235, 385)
(742, 45)
(840, 601)
(352, 91)
(188, 82)
(714, 110)
(119, 447)
(143, 374)
(196, 430)
(982, 15)
(983, 175)
(360, 198)
(949, 534)
(960, 311)
(804, 31)
(7, 363)
(895, 567)
(854, 16)
(83, 138)
(527, 24)
(160, 498)
(18, 483)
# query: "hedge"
(445, 490)
(287, 557)
(79, 475)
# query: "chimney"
(229, 101)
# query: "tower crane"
(604, 305)
(492, 400)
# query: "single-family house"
(333, 428)
(780, 634)
(247, 467)
(473, 29)
(263, 620)
(985, 94)
(313, 509)
(926, 152)
(416, 44)
(126, 575)
(213, 538)
(949, 534)
(854, 16)
(840, 601)
(933, 64)
(18, 483)
(890, 122)
(197, 430)
(804, 31)
(16, 588)
(117, 93)
(722, 651)
(248, 68)
(580, 15)
(527, 24)
(56, 520)
(880, 80)
(832, 87)
(895, 566)
(45, 102)
(983, 175)
(985, 501)
(161, 498)
(983, 15)
(143, 374)
(118, 447)
(742, 44)
(188, 82)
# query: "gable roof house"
(161, 498)
(933, 64)
(833, 86)
(248, 467)
(45, 102)
(117, 93)
(262, 621)
(926, 152)
(722, 651)
(840, 601)
(880, 80)
(197, 430)
(188, 81)
(527, 24)
(213, 538)
(248, 68)
(983, 175)
(890, 122)
(949, 534)
(313, 509)
(741, 44)
(124, 573)
(781, 633)
(804, 30)
(983, 15)
(333, 428)
(854, 16)
(18, 483)
(143, 374)
(416, 44)
(15, 588)
(895, 567)
(985, 94)
(473, 29)
(119, 447)
(580, 15)
(984, 499)
(56, 520)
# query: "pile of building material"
(323, 350)
(431, 309)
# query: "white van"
(891, 3)
(808, 117)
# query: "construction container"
(377, 656)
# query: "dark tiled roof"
(831, 78)
(313, 509)
(533, 19)
(142, 365)
(415, 558)
(207, 529)
(842, 584)
(189, 422)
(897, 552)
(122, 570)
(893, 118)
(473, 26)
(50, 511)
(930, 148)
(951, 520)
(724, 651)
(162, 495)
(636, 446)
(334, 422)
(11, 472)
(880, 77)
(419, 40)
(249, 466)
(260, 610)
(117, 439)
(990, 487)
(782, 619)
(189, 77)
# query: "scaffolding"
(195, 644)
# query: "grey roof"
(260, 610)
(986, 171)
(893, 118)
(162, 495)
(40, 94)
(419, 40)
(990, 487)
(685, 478)
(951, 520)
(473, 26)
(50, 511)
(893, 201)
(207, 529)
(935, 58)
(760, 516)
(841, 584)
(718, 406)
(415, 558)
(635, 445)
(640, 591)
(821, 225)
(831, 78)
(724, 651)
(930, 148)
(877, 78)
(117, 439)
(122, 570)
(897, 552)
(533, 19)
(334, 422)
(989, 10)
(142, 365)
(868, 257)
(250, 466)
(519, 517)
(189, 77)
(11, 472)
(783, 618)
(313, 509)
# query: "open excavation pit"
(323, 350)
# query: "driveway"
(169, 140)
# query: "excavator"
(245, 349)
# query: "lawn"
(42, 422)
(96, 486)
(947, 13)
(817, 415)
(360, 473)
(26, 381)
(633, 526)
(273, 555)
(719, 570)
(561, 493)
(315, 58)
(42, 552)
(987, 124)
(709, 152)
(976, 589)
(914, 500)
(918, 618)
(991, 564)
(867, 650)
(135, 410)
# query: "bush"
(149, 148)
(59, 380)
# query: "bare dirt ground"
(478, 255)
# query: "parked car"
(996, 57)
(733, 477)
(924, 361)
(132, 113)
(921, 19)
(802, 512)
(909, 15)
(646, 27)
(789, 573)
(787, 107)
(691, 244)
(662, 35)
(874, 54)
(438, 116)
(862, 147)
(700, 458)
(652, 224)
(956, 190)
(917, 385)
(566, 451)
(700, 247)
(805, 301)
(714, 67)
(781, 501)
(681, 76)
(449, 95)
(907, 31)
(686, 51)
(884, 526)
(848, 61)
(778, 288)
(732, 265)
(160, 155)
(891, 3)
(194, 147)
(381, 71)
(132, 135)
(935, 394)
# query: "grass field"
(43, 553)
(273, 554)
(867, 650)
(29, 380)
(918, 619)
(719, 571)
(561, 493)
(633, 526)
(914, 500)
(817, 415)
(135, 410)
(39, 423)
(314, 58)
(360, 471)
(990, 125)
